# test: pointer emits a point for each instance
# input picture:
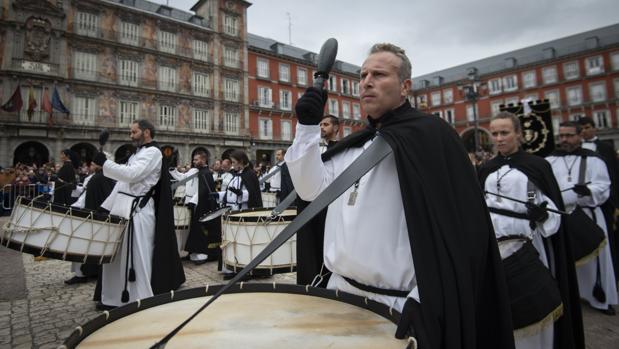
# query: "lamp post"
(472, 93)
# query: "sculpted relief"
(38, 37)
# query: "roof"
(540, 53)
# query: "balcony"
(35, 67)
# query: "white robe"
(191, 186)
(276, 180)
(136, 178)
(232, 200)
(513, 184)
(597, 174)
(372, 249)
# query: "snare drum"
(246, 233)
(61, 232)
(269, 199)
(247, 316)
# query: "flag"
(15, 103)
(32, 102)
(57, 103)
(46, 105)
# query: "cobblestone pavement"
(48, 311)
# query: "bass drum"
(248, 316)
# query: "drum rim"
(71, 257)
(77, 212)
(81, 332)
(231, 215)
(263, 270)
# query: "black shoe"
(608, 311)
(101, 306)
(76, 280)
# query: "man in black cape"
(457, 267)
(569, 331)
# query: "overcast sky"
(435, 34)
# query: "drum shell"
(355, 327)
(182, 217)
(269, 199)
(586, 237)
(64, 233)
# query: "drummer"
(590, 194)
(413, 233)
(527, 230)
(243, 190)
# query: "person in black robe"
(204, 237)
(569, 332)
(458, 269)
(65, 179)
(248, 180)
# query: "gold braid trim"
(537, 327)
(590, 256)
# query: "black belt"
(513, 237)
(508, 213)
(378, 290)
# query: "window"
(553, 98)
(128, 70)
(231, 25)
(167, 41)
(436, 99)
(201, 120)
(422, 101)
(265, 96)
(266, 128)
(284, 72)
(574, 96)
(286, 134)
(449, 116)
(471, 113)
(334, 107)
(510, 83)
(346, 110)
(85, 65)
(549, 75)
(345, 87)
(616, 84)
(571, 71)
(495, 107)
(129, 33)
(201, 85)
(167, 78)
(231, 57)
(597, 91)
(285, 100)
(231, 123)
(83, 110)
(301, 76)
(231, 89)
(575, 117)
(346, 131)
(167, 116)
(600, 117)
(595, 65)
(128, 112)
(614, 60)
(529, 79)
(87, 23)
(200, 50)
(262, 68)
(356, 111)
(448, 96)
(355, 88)
(494, 86)
(332, 83)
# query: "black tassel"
(131, 275)
(125, 296)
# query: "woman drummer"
(519, 188)
(243, 190)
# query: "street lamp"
(471, 92)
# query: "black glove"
(311, 106)
(99, 159)
(582, 190)
(536, 213)
(236, 191)
(410, 324)
(191, 205)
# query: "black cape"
(204, 237)
(569, 333)
(167, 273)
(462, 288)
(65, 184)
(251, 183)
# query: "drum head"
(257, 319)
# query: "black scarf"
(569, 332)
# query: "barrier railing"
(10, 192)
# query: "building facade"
(578, 75)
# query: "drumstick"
(568, 189)
(525, 202)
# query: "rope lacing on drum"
(107, 314)
(206, 290)
(412, 341)
(80, 330)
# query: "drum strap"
(582, 171)
(377, 290)
(508, 213)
